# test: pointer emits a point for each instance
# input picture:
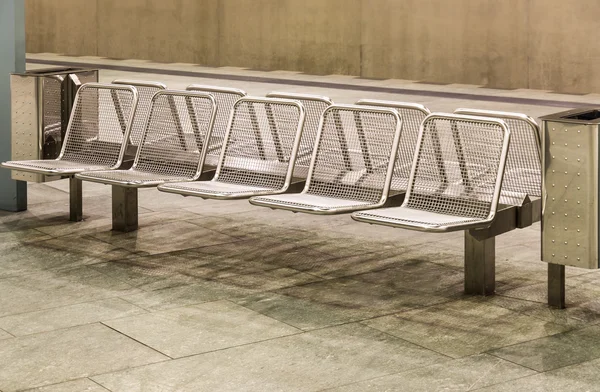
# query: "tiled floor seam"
(264, 315)
(137, 341)
(97, 383)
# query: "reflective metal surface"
(570, 189)
(523, 173)
(353, 162)
(412, 115)
(261, 144)
(41, 103)
(314, 106)
(94, 139)
(174, 144)
(456, 176)
(225, 98)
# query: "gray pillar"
(13, 194)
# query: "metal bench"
(95, 138)
(172, 148)
(259, 151)
(225, 98)
(461, 180)
(352, 164)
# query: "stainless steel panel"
(570, 192)
(25, 124)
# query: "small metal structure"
(570, 196)
(41, 104)
(146, 90)
(225, 98)
(94, 140)
(456, 183)
(412, 115)
(173, 148)
(314, 107)
(259, 151)
(352, 165)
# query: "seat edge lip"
(481, 224)
(218, 196)
(316, 210)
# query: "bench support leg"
(75, 200)
(124, 209)
(556, 286)
(480, 265)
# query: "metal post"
(124, 209)
(480, 265)
(556, 285)
(75, 200)
(13, 194)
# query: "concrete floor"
(225, 296)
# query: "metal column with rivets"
(13, 194)
(570, 196)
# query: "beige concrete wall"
(541, 44)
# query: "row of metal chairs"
(473, 170)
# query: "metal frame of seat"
(94, 140)
(460, 193)
(355, 145)
(146, 90)
(172, 148)
(314, 107)
(259, 153)
(225, 97)
(412, 115)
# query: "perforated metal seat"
(95, 138)
(523, 173)
(352, 164)
(314, 107)
(225, 98)
(260, 150)
(456, 176)
(412, 115)
(174, 144)
(146, 91)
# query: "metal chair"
(95, 138)
(352, 164)
(455, 184)
(259, 151)
(225, 98)
(172, 148)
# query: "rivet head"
(578, 174)
(553, 255)
(579, 231)
(578, 259)
(553, 143)
(553, 213)
(578, 245)
(554, 227)
(566, 243)
(566, 158)
(553, 171)
(553, 241)
(566, 214)
(566, 144)
(553, 157)
(579, 145)
(566, 229)
(579, 160)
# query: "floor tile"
(463, 328)
(307, 362)
(179, 296)
(361, 300)
(68, 354)
(270, 280)
(555, 351)
(466, 374)
(81, 385)
(197, 329)
(50, 289)
(584, 377)
(165, 238)
(68, 316)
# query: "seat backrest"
(354, 153)
(459, 166)
(314, 106)
(175, 140)
(95, 134)
(261, 143)
(146, 91)
(412, 115)
(225, 98)
(523, 173)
